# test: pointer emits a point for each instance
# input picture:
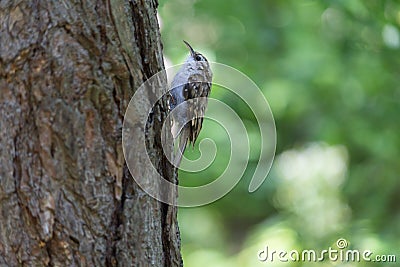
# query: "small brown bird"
(190, 88)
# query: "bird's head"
(194, 56)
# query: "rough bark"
(67, 72)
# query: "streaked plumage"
(190, 87)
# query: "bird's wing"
(196, 93)
(188, 118)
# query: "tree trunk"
(67, 72)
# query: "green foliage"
(330, 71)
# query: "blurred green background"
(330, 71)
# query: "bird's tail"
(183, 138)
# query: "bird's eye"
(198, 58)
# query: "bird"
(188, 100)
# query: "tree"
(67, 72)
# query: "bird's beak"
(190, 48)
